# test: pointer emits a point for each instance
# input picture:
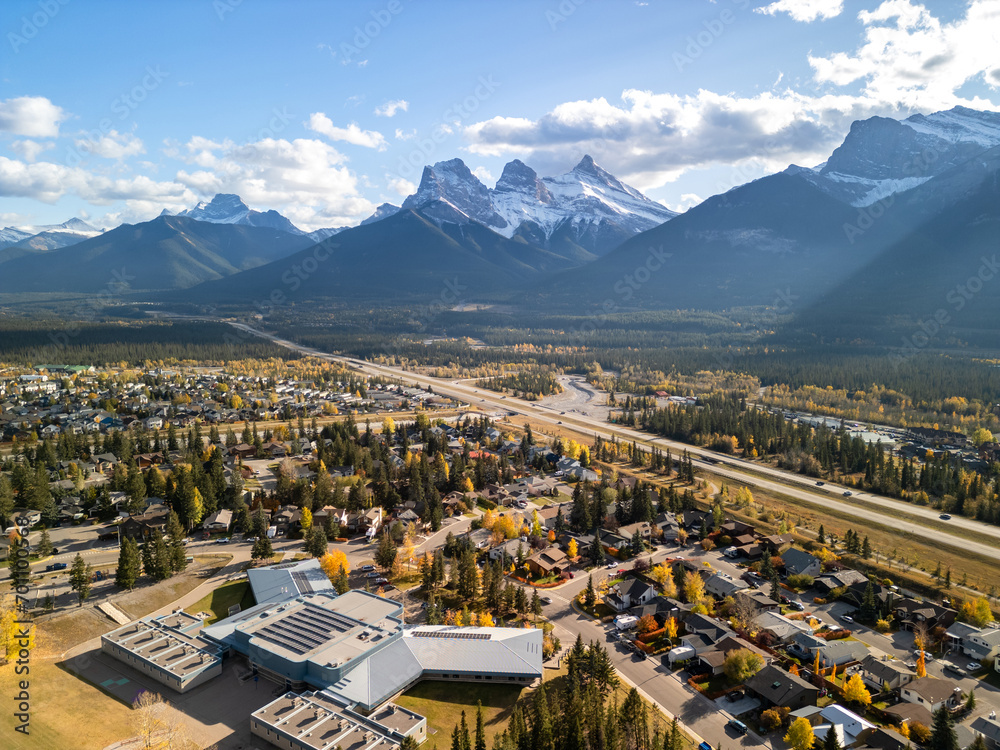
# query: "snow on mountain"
(959, 125)
(881, 156)
(226, 208)
(579, 203)
(48, 236)
(382, 212)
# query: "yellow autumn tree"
(572, 549)
(332, 562)
(670, 626)
(694, 587)
(307, 519)
(800, 735)
(856, 692)
(486, 620)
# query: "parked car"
(797, 606)
(927, 657)
(546, 600)
(640, 654)
(734, 695)
(381, 581)
(222, 540)
(737, 726)
(372, 574)
(610, 565)
(973, 666)
(847, 618)
(367, 568)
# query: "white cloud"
(111, 145)
(402, 135)
(29, 150)
(401, 187)
(483, 174)
(305, 179)
(48, 182)
(390, 108)
(908, 61)
(320, 123)
(33, 116)
(913, 59)
(805, 11)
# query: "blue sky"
(112, 111)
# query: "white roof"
(276, 583)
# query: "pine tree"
(480, 728)
(128, 565)
(262, 549)
(177, 553)
(44, 546)
(821, 535)
(943, 731)
(589, 594)
(79, 578)
(866, 548)
(161, 558)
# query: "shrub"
(800, 581)
(919, 732)
(771, 720)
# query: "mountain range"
(26, 240)
(897, 210)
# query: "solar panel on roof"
(456, 635)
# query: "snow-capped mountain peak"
(881, 156)
(382, 212)
(226, 208)
(577, 204)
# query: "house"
(911, 613)
(714, 659)
(140, 527)
(507, 552)
(989, 728)
(760, 601)
(880, 674)
(704, 632)
(850, 727)
(842, 652)
(629, 593)
(722, 585)
(662, 608)
(798, 562)
(839, 579)
(884, 738)
(932, 693)
(737, 528)
(25, 517)
(984, 645)
(779, 627)
(550, 561)
(776, 687)
(219, 521)
(667, 527)
(776, 543)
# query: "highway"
(799, 488)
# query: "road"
(799, 488)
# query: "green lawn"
(443, 702)
(220, 600)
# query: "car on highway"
(944, 517)
(819, 484)
(847, 493)
(55, 566)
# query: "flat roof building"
(168, 648)
(320, 720)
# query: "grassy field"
(443, 702)
(65, 712)
(219, 601)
